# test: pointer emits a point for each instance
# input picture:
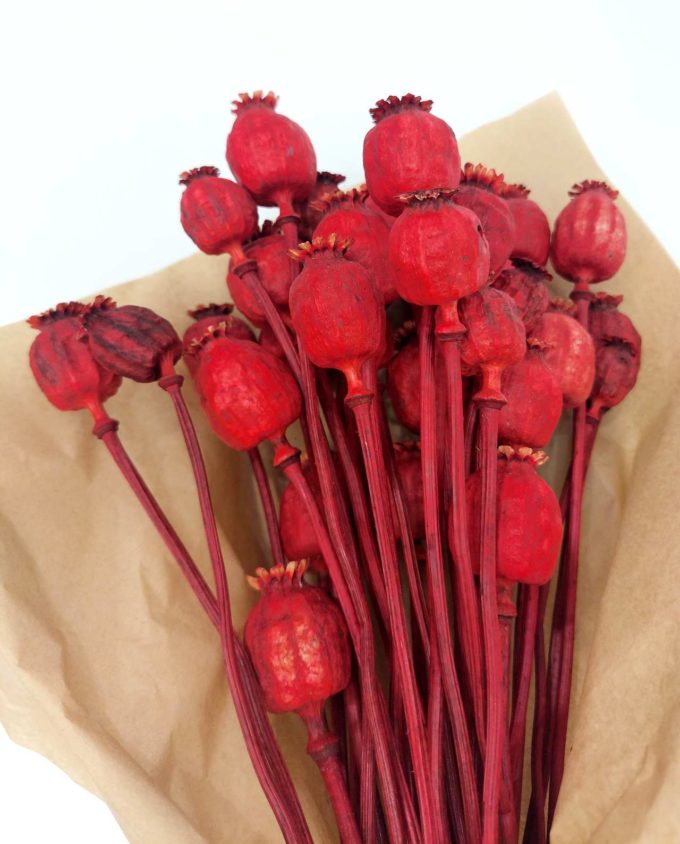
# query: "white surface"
(104, 105)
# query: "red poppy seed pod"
(409, 472)
(525, 283)
(205, 317)
(529, 527)
(616, 370)
(248, 394)
(534, 400)
(297, 532)
(403, 380)
(372, 205)
(480, 190)
(569, 352)
(408, 150)
(270, 252)
(270, 155)
(325, 186)
(216, 213)
(589, 237)
(439, 254)
(336, 311)
(532, 229)
(607, 323)
(62, 363)
(297, 638)
(346, 216)
(494, 339)
(131, 341)
(268, 341)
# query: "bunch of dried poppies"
(406, 328)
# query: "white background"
(104, 104)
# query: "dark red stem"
(268, 506)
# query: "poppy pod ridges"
(326, 185)
(64, 310)
(428, 156)
(525, 282)
(608, 324)
(205, 317)
(570, 353)
(269, 250)
(532, 229)
(589, 237)
(563, 306)
(269, 154)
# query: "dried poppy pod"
(299, 538)
(569, 351)
(336, 311)
(62, 362)
(268, 341)
(526, 283)
(481, 191)
(427, 156)
(131, 341)
(616, 370)
(607, 323)
(439, 254)
(270, 253)
(534, 400)
(589, 236)
(204, 317)
(529, 526)
(532, 229)
(297, 638)
(403, 383)
(409, 472)
(325, 186)
(346, 216)
(494, 339)
(216, 213)
(270, 155)
(248, 394)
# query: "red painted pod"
(408, 150)
(269, 154)
(589, 237)
(297, 532)
(607, 323)
(325, 186)
(403, 385)
(335, 309)
(616, 370)
(346, 215)
(248, 394)
(207, 316)
(529, 527)
(130, 340)
(532, 229)
(297, 638)
(268, 341)
(216, 213)
(569, 352)
(62, 362)
(526, 284)
(534, 400)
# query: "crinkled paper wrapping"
(108, 667)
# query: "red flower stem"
(394, 798)
(367, 796)
(354, 733)
(323, 747)
(267, 506)
(527, 619)
(470, 438)
(435, 734)
(439, 615)
(259, 737)
(413, 711)
(488, 438)
(467, 612)
(247, 272)
(506, 613)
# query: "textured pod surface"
(215, 212)
(427, 156)
(438, 251)
(269, 154)
(532, 229)
(348, 217)
(479, 192)
(62, 363)
(297, 638)
(534, 401)
(130, 341)
(335, 309)
(616, 371)
(525, 283)
(570, 353)
(299, 538)
(268, 341)
(206, 317)
(495, 335)
(607, 323)
(589, 237)
(248, 394)
(529, 529)
(274, 271)
(325, 186)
